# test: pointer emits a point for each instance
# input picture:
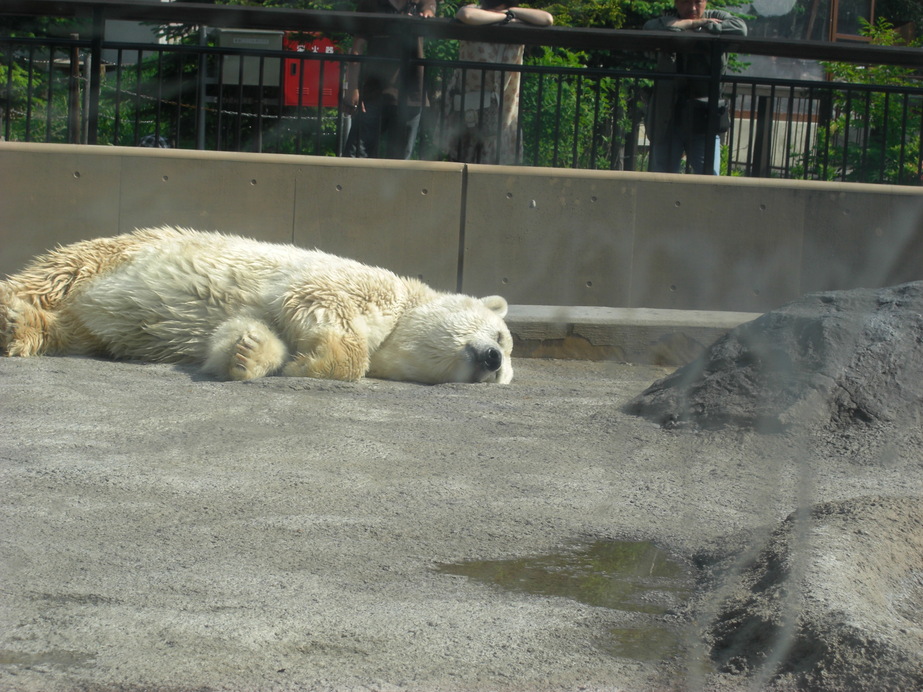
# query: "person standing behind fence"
(677, 118)
(484, 104)
(386, 109)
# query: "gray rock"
(833, 602)
(830, 359)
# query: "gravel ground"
(161, 531)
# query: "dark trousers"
(379, 131)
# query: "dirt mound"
(835, 601)
(835, 358)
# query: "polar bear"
(243, 309)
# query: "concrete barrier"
(399, 215)
(536, 236)
(565, 237)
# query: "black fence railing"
(201, 92)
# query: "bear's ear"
(496, 304)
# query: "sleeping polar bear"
(244, 309)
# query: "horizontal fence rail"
(196, 93)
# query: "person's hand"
(352, 101)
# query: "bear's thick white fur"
(244, 309)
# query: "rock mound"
(838, 357)
(834, 602)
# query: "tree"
(874, 134)
(34, 97)
(900, 12)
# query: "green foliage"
(880, 34)
(873, 135)
(611, 14)
(573, 120)
(141, 100)
(36, 98)
(20, 27)
(607, 14)
(337, 5)
(18, 79)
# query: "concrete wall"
(537, 236)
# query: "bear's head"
(451, 338)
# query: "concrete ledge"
(633, 335)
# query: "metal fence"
(198, 91)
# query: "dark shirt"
(671, 94)
(380, 81)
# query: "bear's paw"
(242, 349)
(23, 327)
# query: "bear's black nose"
(492, 359)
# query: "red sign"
(310, 82)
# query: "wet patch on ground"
(55, 659)
(630, 576)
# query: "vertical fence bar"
(733, 103)
(905, 115)
(594, 130)
(279, 134)
(919, 111)
(259, 103)
(575, 132)
(882, 172)
(49, 106)
(181, 70)
(136, 135)
(631, 158)
(498, 140)
(519, 132)
(299, 108)
(7, 113)
(219, 102)
(321, 83)
(201, 92)
(95, 66)
(809, 119)
(537, 129)
(612, 127)
(244, 120)
(158, 107)
(29, 83)
(789, 133)
(714, 94)
(557, 122)
(751, 130)
(827, 119)
(847, 125)
(117, 124)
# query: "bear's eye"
(500, 337)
